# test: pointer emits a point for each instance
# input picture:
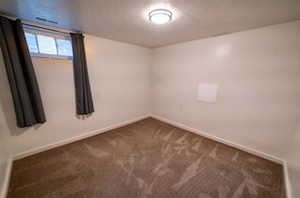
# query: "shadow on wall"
(83, 117)
(6, 103)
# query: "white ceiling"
(126, 20)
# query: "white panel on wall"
(207, 93)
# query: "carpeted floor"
(146, 159)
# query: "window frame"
(55, 35)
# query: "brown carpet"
(146, 159)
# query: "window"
(64, 47)
(51, 45)
(31, 42)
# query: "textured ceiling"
(126, 20)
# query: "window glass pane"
(46, 44)
(31, 42)
(64, 47)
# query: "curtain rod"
(47, 29)
(40, 26)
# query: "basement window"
(46, 44)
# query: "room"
(150, 98)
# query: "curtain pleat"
(20, 73)
(84, 100)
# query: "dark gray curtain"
(84, 100)
(22, 80)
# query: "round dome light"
(160, 16)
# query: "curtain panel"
(20, 73)
(84, 100)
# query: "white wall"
(4, 155)
(258, 74)
(119, 77)
(257, 106)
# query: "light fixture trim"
(160, 16)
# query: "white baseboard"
(76, 138)
(3, 191)
(238, 146)
(174, 123)
(287, 182)
(221, 140)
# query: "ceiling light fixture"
(160, 16)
